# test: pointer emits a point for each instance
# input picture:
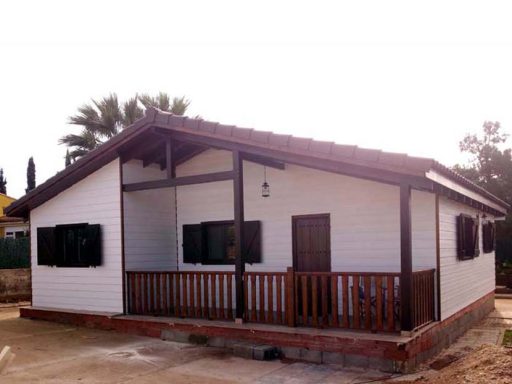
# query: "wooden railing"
(363, 300)
(423, 301)
(354, 300)
(207, 295)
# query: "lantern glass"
(265, 189)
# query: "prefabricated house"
(331, 253)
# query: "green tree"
(490, 167)
(102, 119)
(31, 175)
(3, 182)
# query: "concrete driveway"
(54, 353)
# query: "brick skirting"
(390, 353)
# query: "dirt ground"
(477, 357)
(488, 364)
(54, 353)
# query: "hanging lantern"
(265, 187)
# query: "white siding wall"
(462, 282)
(149, 222)
(364, 214)
(96, 200)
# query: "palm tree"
(105, 118)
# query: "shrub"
(15, 253)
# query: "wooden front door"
(311, 236)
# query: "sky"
(403, 76)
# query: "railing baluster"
(279, 298)
(165, 290)
(390, 303)
(304, 288)
(221, 295)
(378, 302)
(355, 302)
(206, 301)
(261, 287)
(368, 302)
(344, 280)
(230, 295)
(314, 300)
(334, 300)
(325, 301)
(253, 297)
(213, 277)
(270, 298)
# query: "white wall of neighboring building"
(462, 281)
(95, 200)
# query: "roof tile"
(177, 121)
(299, 142)
(208, 126)
(278, 139)
(162, 119)
(389, 158)
(225, 130)
(260, 136)
(321, 146)
(242, 133)
(343, 150)
(192, 124)
(367, 154)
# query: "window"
(9, 235)
(19, 234)
(73, 245)
(467, 237)
(488, 236)
(214, 242)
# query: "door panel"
(311, 243)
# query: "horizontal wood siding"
(96, 200)
(462, 282)
(364, 214)
(149, 221)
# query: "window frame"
(461, 237)
(205, 260)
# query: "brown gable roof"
(401, 164)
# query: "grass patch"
(507, 338)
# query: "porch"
(368, 301)
(334, 247)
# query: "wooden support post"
(406, 285)
(290, 297)
(238, 185)
(169, 162)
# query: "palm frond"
(86, 140)
(132, 111)
(179, 105)
(111, 115)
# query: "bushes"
(15, 253)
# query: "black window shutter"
(46, 250)
(92, 246)
(192, 243)
(488, 233)
(476, 238)
(461, 238)
(252, 240)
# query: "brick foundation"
(390, 353)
